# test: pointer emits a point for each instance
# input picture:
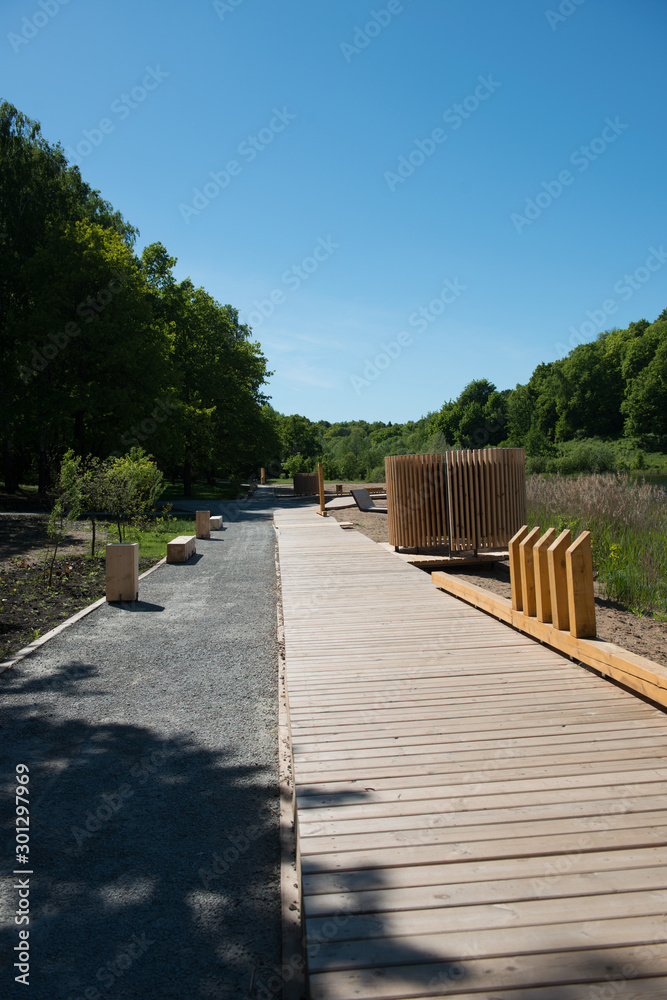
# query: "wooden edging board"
(636, 672)
(27, 650)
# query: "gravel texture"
(150, 731)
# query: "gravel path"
(150, 731)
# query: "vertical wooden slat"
(528, 571)
(470, 514)
(580, 594)
(493, 493)
(542, 589)
(479, 498)
(488, 523)
(320, 483)
(515, 567)
(558, 580)
(513, 513)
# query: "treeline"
(101, 349)
(566, 416)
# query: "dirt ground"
(642, 635)
(29, 607)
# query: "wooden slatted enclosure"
(305, 484)
(457, 501)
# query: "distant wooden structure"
(458, 501)
(306, 484)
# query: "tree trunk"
(43, 471)
(187, 478)
(10, 468)
(79, 433)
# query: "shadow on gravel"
(137, 606)
(150, 855)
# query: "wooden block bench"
(216, 522)
(180, 549)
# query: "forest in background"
(102, 351)
(601, 408)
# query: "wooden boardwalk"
(478, 818)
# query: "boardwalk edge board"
(636, 672)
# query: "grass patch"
(228, 490)
(153, 538)
(628, 525)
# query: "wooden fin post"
(515, 567)
(580, 594)
(558, 580)
(542, 589)
(320, 483)
(528, 571)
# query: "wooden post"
(542, 590)
(320, 482)
(515, 567)
(262, 476)
(528, 571)
(203, 524)
(558, 580)
(122, 576)
(580, 594)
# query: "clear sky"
(399, 197)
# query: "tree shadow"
(354, 941)
(155, 859)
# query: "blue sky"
(394, 195)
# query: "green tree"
(39, 194)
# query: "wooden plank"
(636, 672)
(598, 970)
(542, 871)
(560, 614)
(580, 595)
(542, 587)
(320, 487)
(515, 566)
(441, 892)
(528, 571)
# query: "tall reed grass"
(628, 525)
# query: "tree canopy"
(102, 350)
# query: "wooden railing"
(459, 500)
(552, 579)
